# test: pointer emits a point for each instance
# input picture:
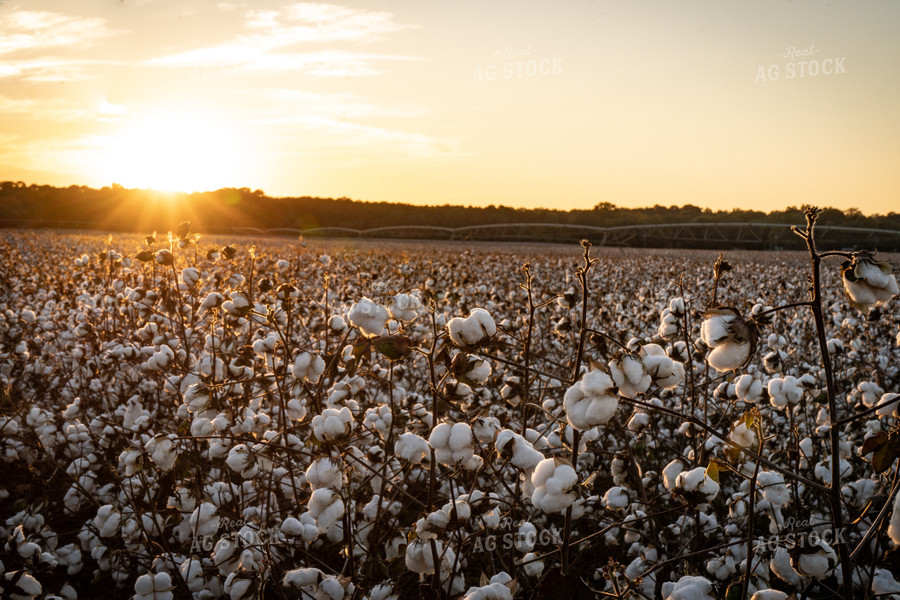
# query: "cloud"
(51, 69)
(272, 36)
(45, 109)
(40, 30)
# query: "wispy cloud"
(51, 69)
(48, 109)
(270, 43)
(25, 30)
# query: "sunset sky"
(523, 103)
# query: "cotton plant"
(453, 445)
(554, 482)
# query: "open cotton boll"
(784, 391)
(452, 443)
(411, 447)
(888, 404)
(743, 436)
(326, 507)
(404, 307)
(370, 317)
(472, 330)
(689, 587)
(519, 450)
(868, 282)
(616, 498)
(730, 337)
(696, 481)
(553, 480)
(162, 451)
(670, 474)
(325, 473)
(156, 586)
(332, 424)
(107, 521)
(190, 276)
(422, 555)
(748, 388)
(590, 401)
(773, 488)
(308, 367)
(665, 372)
(630, 375)
(816, 560)
(497, 589)
(894, 525)
(769, 594)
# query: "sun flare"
(184, 152)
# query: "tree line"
(116, 208)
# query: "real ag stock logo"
(802, 64)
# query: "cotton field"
(201, 417)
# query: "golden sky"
(523, 103)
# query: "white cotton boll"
(668, 324)
(485, 428)
(590, 401)
(884, 584)
(630, 375)
(479, 372)
(690, 587)
(781, 566)
(370, 317)
(411, 447)
(769, 594)
(729, 356)
(453, 444)
(163, 451)
(404, 307)
(823, 470)
(337, 324)
(472, 330)
(784, 391)
(238, 305)
(616, 498)
(868, 282)
(670, 474)
(156, 586)
(835, 346)
(326, 507)
(743, 436)
(308, 367)
(818, 560)
(203, 520)
(888, 404)
(729, 350)
(190, 276)
(421, 555)
(305, 528)
(773, 488)
(332, 424)
(107, 521)
(496, 589)
(664, 371)
(237, 587)
(748, 388)
(241, 460)
(519, 450)
(325, 472)
(697, 481)
(894, 524)
(869, 393)
(553, 481)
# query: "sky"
(719, 104)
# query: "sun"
(179, 151)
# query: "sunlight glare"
(179, 152)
